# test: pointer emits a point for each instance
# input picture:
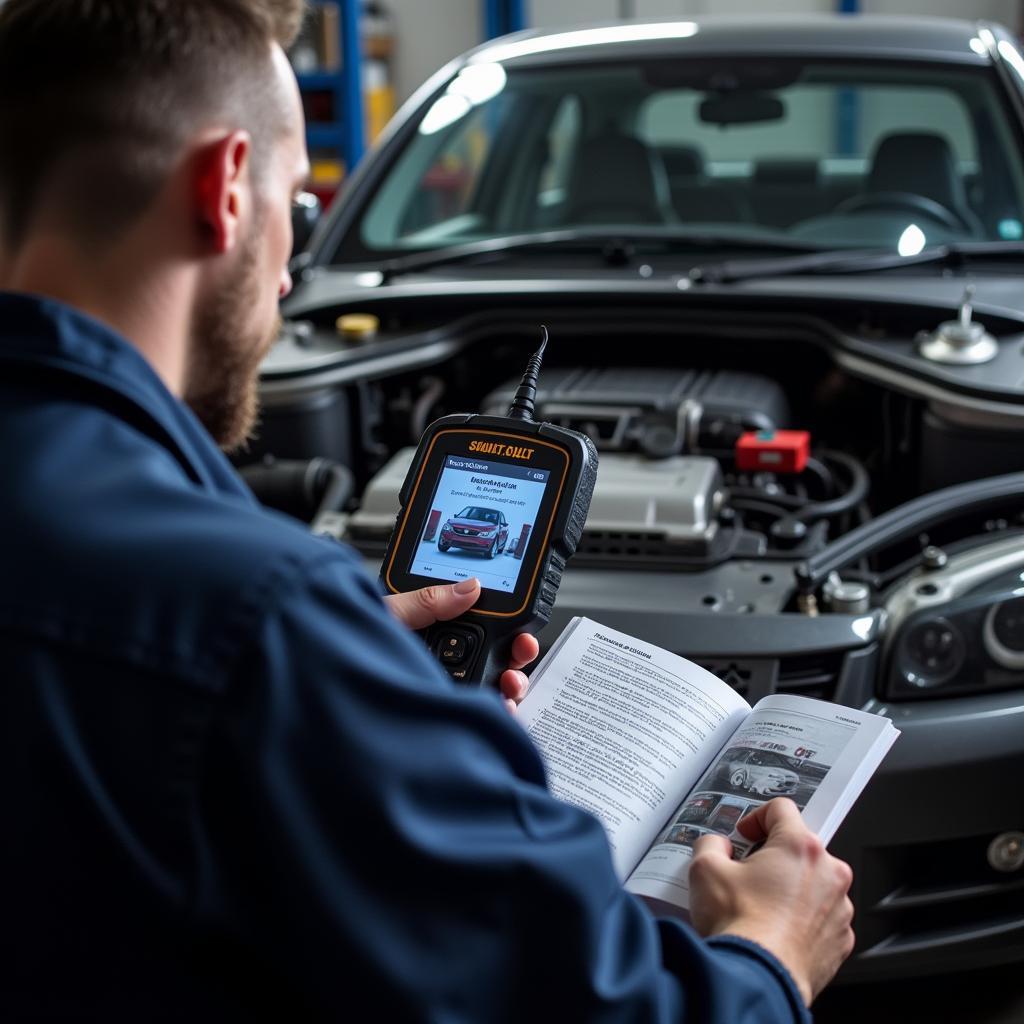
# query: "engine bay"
(684, 531)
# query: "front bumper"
(462, 540)
(927, 900)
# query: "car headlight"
(974, 644)
(931, 653)
(1003, 633)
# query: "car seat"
(785, 190)
(916, 168)
(695, 197)
(617, 179)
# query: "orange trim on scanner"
(412, 498)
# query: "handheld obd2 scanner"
(501, 498)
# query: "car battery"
(658, 411)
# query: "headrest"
(616, 178)
(918, 162)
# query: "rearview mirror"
(741, 108)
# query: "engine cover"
(674, 501)
(659, 411)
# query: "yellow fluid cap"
(357, 326)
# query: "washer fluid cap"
(357, 326)
(962, 341)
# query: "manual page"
(626, 729)
(818, 754)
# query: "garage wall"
(1008, 12)
(558, 12)
(428, 33)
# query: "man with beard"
(233, 783)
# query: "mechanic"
(233, 782)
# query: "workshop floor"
(983, 997)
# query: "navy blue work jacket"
(233, 787)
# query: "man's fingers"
(421, 608)
(514, 685)
(712, 847)
(524, 650)
(778, 814)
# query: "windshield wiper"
(851, 261)
(617, 247)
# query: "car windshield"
(824, 153)
(486, 515)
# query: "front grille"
(814, 675)
(810, 675)
(740, 674)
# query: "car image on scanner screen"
(780, 262)
(475, 529)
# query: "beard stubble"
(222, 386)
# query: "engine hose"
(303, 489)
(336, 483)
(818, 469)
(804, 509)
(761, 507)
(860, 484)
(906, 520)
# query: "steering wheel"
(907, 202)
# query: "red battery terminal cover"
(777, 451)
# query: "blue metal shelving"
(503, 16)
(847, 101)
(345, 134)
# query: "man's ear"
(222, 191)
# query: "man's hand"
(421, 608)
(789, 896)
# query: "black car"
(780, 262)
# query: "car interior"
(766, 157)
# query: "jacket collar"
(41, 335)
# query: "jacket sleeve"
(386, 839)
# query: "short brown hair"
(99, 96)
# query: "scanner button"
(452, 648)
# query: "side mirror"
(306, 212)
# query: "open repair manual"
(662, 751)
